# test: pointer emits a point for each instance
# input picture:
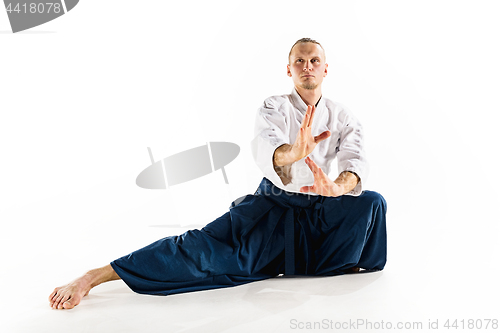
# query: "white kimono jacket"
(278, 122)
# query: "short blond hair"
(305, 40)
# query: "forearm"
(284, 172)
(347, 181)
(281, 163)
(282, 156)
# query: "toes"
(51, 299)
(53, 294)
(57, 301)
(63, 300)
(66, 297)
(68, 305)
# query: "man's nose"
(307, 66)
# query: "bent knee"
(375, 198)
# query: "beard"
(309, 85)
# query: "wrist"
(336, 190)
(347, 181)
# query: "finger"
(307, 116)
(309, 163)
(313, 111)
(313, 166)
(316, 170)
(301, 135)
(319, 175)
(322, 136)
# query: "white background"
(83, 96)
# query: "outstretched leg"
(70, 295)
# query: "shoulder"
(278, 103)
(339, 111)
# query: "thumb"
(305, 189)
(322, 136)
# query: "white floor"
(432, 274)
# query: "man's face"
(307, 65)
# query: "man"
(298, 222)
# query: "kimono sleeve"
(351, 154)
(271, 131)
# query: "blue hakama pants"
(269, 233)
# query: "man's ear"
(326, 70)
(288, 71)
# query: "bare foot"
(70, 295)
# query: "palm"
(322, 184)
(305, 142)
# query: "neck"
(309, 96)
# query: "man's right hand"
(304, 143)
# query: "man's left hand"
(322, 184)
